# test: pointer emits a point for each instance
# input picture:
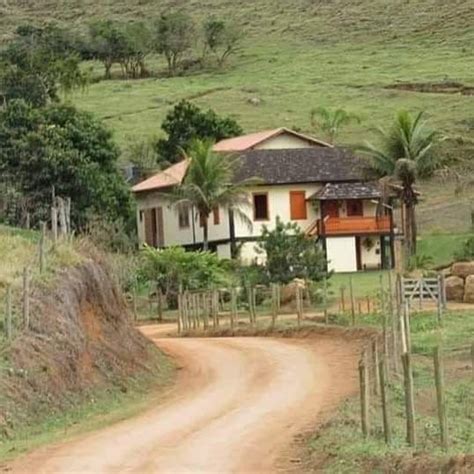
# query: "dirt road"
(236, 407)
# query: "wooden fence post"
(26, 298)
(205, 304)
(385, 409)
(364, 395)
(42, 249)
(159, 296)
(375, 362)
(406, 315)
(440, 301)
(180, 312)
(343, 303)
(409, 399)
(254, 305)
(233, 307)
(393, 321)
(54, 223)
(351, 290)
(440, 397)
(134, 301)
(325, 299)
(9, 314)
(299, 304)
(274, 304)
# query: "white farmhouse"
(302, 180)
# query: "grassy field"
(296, 55)
(340, 446)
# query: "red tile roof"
(246, 142)
(169, 177)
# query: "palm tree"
(406, 153)
(209, 184)
(330, 122)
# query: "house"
(301, 179)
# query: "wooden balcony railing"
(354, 225)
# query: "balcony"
(353, 225)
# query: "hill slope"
(296, 55)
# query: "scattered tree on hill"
(209, 184)
(173, 36)
(331, 121)
(290, 254)
(126, 44)
(221, 38)
(406, 152)
(70, 150)
(39, 63)
(187, 122)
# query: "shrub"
(467, 250)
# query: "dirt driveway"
(236, 407)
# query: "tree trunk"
(410, 229)
(205, 231)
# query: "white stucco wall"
(173, 235)
(341, 254)
(284, 142)
(278, 205)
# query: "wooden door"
(150, 225)
(159, 225)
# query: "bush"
(467, 250)
(174, 268)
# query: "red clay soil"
(80, 340)
(237, 406)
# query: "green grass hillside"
(296, 55)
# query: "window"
(260, 207)
(298, 205)
(216, 214)
(354, 207)
(183, 216)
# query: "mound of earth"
(81, 339)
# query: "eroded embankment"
(80, 340)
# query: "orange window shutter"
(298, 205)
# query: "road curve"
(236, 407)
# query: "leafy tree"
(221, 38)
(290, 254)
(70, 150)
(127, 44)
(209, 183)
(173, 37)
(331, 122)
(39, 63)
(108, 44)
(406, 152)
(187, 122)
